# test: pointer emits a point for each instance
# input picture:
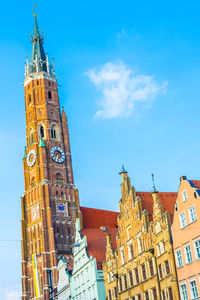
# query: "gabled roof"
(95, 218)
(168, 201)
(96, 241)
(196, 183)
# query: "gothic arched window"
(59, 179)
(49, 95)
(30, 137)
(41, 131)
(53, 132)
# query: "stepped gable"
(167, 199)
(95, 218)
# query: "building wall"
(187, 236)
(63, 289)
(143, 245)
(86, 281)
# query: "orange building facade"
(186, 235)
(142, 266)
(50, 203)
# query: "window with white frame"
(122, 256)
(130, 251)
(188, 254)
(193, 289)
(183, 220)
(140, 245)
(108, 277)
(184, 194)
(184, 294)
(192, 214)
(197, 248)
(179, 260)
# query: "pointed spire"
(38, 58)
(153, 181)
(64, 117)
(36, 33)
(42, 144)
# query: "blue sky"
(129, 74)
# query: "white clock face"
(57, 154)
(31, 158)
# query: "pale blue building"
(86, 282)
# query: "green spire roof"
(25, 153)
(38, 58)
(42, 144)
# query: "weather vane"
(34, 10)
(154, 187)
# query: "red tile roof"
(196, 183)
(167, 200)
(96, 241)
(95, 218)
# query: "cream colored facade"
(144, 249)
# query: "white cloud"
(121, 33)
(121, 89)
(12, 295)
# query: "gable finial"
(154, 187)
(123, 170)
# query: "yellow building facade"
(142, 265)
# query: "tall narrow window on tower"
(41, 131)
(49, 95)
(30, 137)
(53, 131)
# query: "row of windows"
(88, 294)
(38, 82)
(193, 290)
(41, 133)
(49, 96)
(185, 196)
(131, 253)
(140, 274)
(150, 294)
(192, 216)
(136, 276)
(188, 253)
(82, 278)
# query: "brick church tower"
(50, 203)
